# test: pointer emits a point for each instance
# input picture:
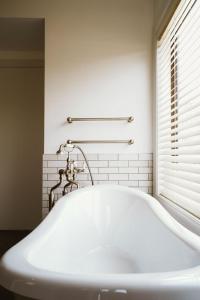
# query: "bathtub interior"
(109, 232)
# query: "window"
(178, 108)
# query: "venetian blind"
(178, 108)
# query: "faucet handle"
(79, 167)
(78, 170)
(61, 171)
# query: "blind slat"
(178, 108)
(191, 168)
(177, 186)
(185, 202)
(188, 176)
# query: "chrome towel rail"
(129, 142)
(128, 119)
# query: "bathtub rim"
(31, 276)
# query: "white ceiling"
(21, 34)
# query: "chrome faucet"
(70, 172)
(68, 147)
(51, 194)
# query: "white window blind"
(178, 108)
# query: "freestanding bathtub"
(105, 243)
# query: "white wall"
(98, 62)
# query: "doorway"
(21, 122)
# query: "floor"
(8, 238)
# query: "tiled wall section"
(133, 170)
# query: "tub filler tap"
(70, 172)
(69, 147)
(51, 194)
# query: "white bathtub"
(105, 243)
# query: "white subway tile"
(93, 170)
(49, 183)
(138, 176)
(45, 204)
(53, 177)
(89, 156)
(144, 189)
(118, 176)
(58, 190)
(129, 183)
(98, 164)
(145, 156)
(108, 156)
(50, 157)
(44, 163)
(108, 170)
(145, 170)
(118, 163)
(73, 156)
(62, 184)
(56, 164)
(107, 182)
(45, 197)
(112, 171)
(44, 190)
(44, 177)
(50, 170)
(127, 156)
(81, 176)
(100, 176)
(134, 183)
(138, 163)
(146, 183)
(128, 170)
(64, 157)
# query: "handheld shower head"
(61, 149)
(65, 148)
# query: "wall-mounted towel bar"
(129, 142)
(128, 119)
